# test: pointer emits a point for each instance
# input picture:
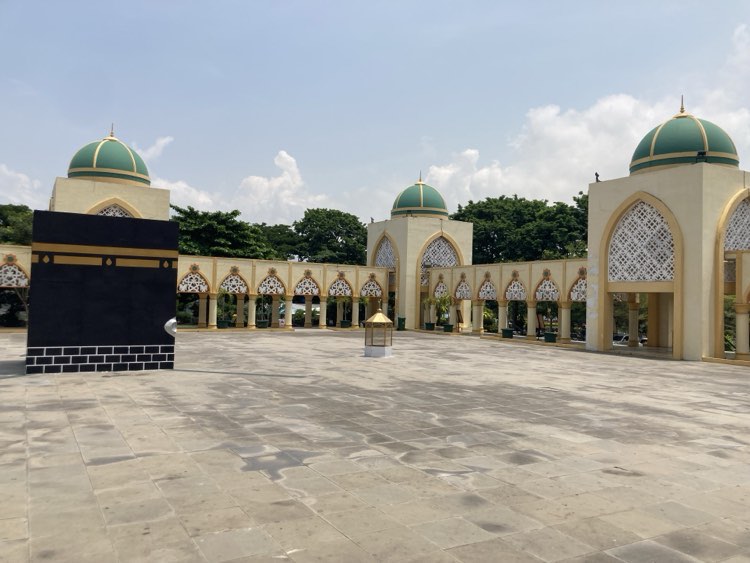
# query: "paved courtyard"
(294, 447)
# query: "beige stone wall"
(78, 195)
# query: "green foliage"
(518, 229)
(328, 235)
(282, 239)
(219, 233)
(15, 224)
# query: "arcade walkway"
(294, 447)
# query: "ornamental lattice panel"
(441, 290)
(340, 288)
(271, 285)
(12, 276)
(578, 291)
(371, 289)
(547, 291)
(463, 291)
(192, 283)
(642, 247)
(234, 283)
(439, 253)
(385, 257)
(488, 291)
(515, 291)
(306, 286)
(738, 230)
(114, 210)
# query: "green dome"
(679, 140)
(421, 200)
(109, 160)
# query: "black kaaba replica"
(103, 289)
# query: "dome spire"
(682, 103)
(112, 130)
(420, 178)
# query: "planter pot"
(507, 332)
(261, 324)
(401, 323)
(550, 337)
(222, 324)
(447, 328)
(429, 326)
(346, 324)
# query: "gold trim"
(78, 260)
(137, 263)
(112, 250)
(681, 155)
(110, 170)
(97, 207)
(34, 259)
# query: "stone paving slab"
(294, 447)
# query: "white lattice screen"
(441, 290)
(578, 291)
(340, 287)
(234, 284)
(371, 289)
(385, 257)
(463, 291)
(439, 252)
(488, 291)
(192, 283)
(516, 291)
(306, 286)
(547, 291)
(642, 247)
(114, 210)
(271, 285)
(738, 229)
(12, 276)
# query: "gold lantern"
(378, 336)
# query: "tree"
(282, 239)
(219, 233)
(329, 235)
(15, 224)
(518, 229)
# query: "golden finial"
(682, 104)
(420, 178)
(112, 130)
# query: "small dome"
(419, 200)
(684, 139)
(109, 160)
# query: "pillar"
(633, 336)
(202, 310)
(452, 314)
(212, 311)
(308, 311)
(477, 316)
(564, 318)
(275, 311)
(322, 319)
(502, 315)
(531, 323)
(251, 311)
(653, 320)
(741, 335)
(240, 312)
(339, 312)
(355, 312)
(288, 316)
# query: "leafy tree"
(219, 233)
(518, 229)
(329, 235)
(282, 238)
(15, 224)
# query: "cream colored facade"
(82, 195)
(409, 238)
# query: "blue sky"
(274, 107)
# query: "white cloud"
(183, 194)
(155, 150)
(18, 188)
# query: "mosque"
(673, 237)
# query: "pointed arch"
(441, 290)
(386, 253)
(547, 290)
(577, 291)
(307, 286)
(13, 275)
(673, 285)
(487, 291)
(113, 203)
(439, 250)
(515, 291)
(193, 282)
(234, 283)
(371, 288)
(463, 291)
(271, 285)
(340, 287)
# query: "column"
(202, 310)
(308, 311)
(633, 336)
(452, 315)
(355, 312)
(741, 338)
(531, 323)
(288, 316)
(275, 311)
(322, 319)
(212, 311)
(564, 320)
(477, 316)
(502, 315)
(653, 320)
(433, 312)
(339, 312)
(251, 311)
(240, 320)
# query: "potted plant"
(263, 310)
(549, 335)
(346, 302)
(428, 302)
(442, 306)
